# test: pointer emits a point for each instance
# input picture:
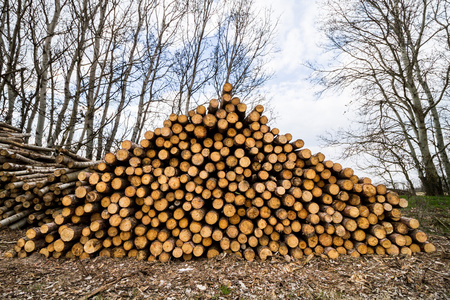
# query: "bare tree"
(44, 66)
(81, 22)
(383, 49)
(128, 66)
(72, 73)
(111, 82)
(161, 28)
(12, 43)
(244, 44)
(93, 79)
(192, 64)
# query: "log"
(15, 218)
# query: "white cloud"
(300, 112)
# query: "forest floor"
(421, 276)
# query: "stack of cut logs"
(33, 180)
(221, 180)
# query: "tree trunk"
(105, 112)
(13, 52)
(34, 109)
(44, 75)
(52, 105)
(73, 116)
(76, 57)
(89, 119)
(126, 75)
(12, 95)
(437, 127)
(431, 181)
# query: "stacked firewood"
(34, 179)
(221, 180)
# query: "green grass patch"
(433, 213)
(225, 289)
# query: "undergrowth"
(433, 213)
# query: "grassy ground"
(433, 212)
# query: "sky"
(299, 110)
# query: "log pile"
(221, 180)
(33, 180)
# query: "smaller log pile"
(221, 180)
(33, 180)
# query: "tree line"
(87, 74)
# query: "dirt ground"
(424, 276)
